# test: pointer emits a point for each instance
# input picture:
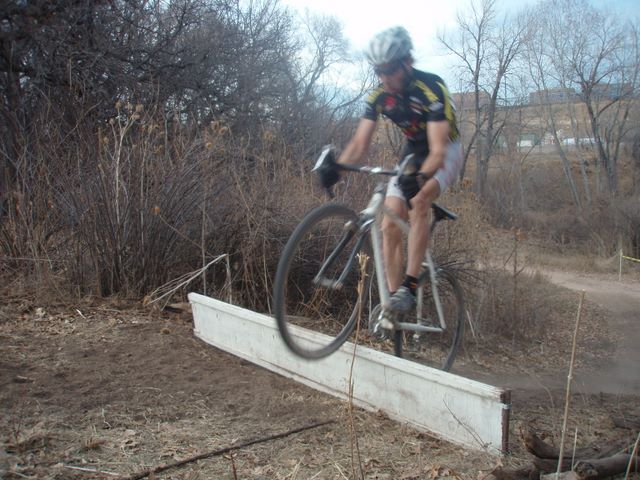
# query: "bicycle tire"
(438, 350)
(299, 301)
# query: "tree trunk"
(481, 176)
(604, 159)
(467, 151)
(12, 133)
(481, 173)
(635, 162)
(566, 168)
(487, 149)
(581, 159)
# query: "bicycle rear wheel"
(436, 349)
(300, 299)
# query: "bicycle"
(319, 283)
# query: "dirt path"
(622, 300)
(120, 390)
(619, 374)
(114, 388)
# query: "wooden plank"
(454, 408)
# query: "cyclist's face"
(391, 76)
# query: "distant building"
(600, 91)
(553, 95)
(466, 100)
(528, 140)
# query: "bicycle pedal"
(377, 324)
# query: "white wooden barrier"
(454, 408)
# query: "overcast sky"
(422, 18)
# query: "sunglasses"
(387, 69)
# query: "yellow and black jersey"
(425, 99)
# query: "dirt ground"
(109, 389)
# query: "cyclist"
(419, 103)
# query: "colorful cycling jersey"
(425, 99)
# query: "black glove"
(327, 169)
(329, 176)
(411, 184)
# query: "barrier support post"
(620, 269)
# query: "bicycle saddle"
(442, 213)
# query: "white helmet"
(389, 45)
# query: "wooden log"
(548, 465)
(538, 447)
(525, 473)
(183, 307)
(541, 449)
(632, 423)
(605, 467)
(596, 469)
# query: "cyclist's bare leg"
(392, 250)
(419, 216)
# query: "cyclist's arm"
(438, 135)
(359, 143)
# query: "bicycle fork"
(351, 229)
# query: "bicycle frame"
(370, 221)
(338, 235)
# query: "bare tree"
(107, 105)
(319, 103)
(540, 61)
(469, 45)
(487, 48)
(584, 50)
(77, 58)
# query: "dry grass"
(124, 210)
(534, 196)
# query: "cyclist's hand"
(327, 168)
(411, 185)
(329, 177)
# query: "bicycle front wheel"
(436, 349)
(322, 249)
